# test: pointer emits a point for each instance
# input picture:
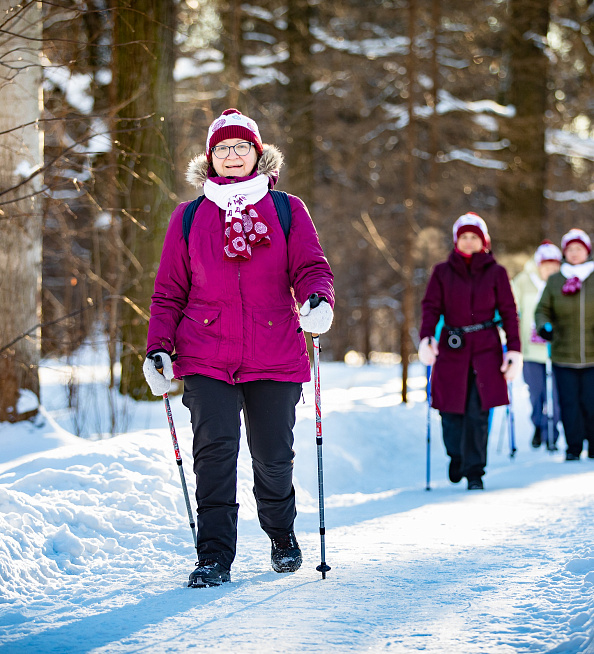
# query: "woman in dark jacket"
(565, 316)
(470, 373)
(225, 303)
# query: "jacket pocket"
(277, 344)
(199, 332)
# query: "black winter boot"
(537, 438)
(285, 554)
(208, 573)
(475, 484)
(455, 470)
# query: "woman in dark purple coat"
(225, 303)
(470, 373)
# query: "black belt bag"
(456, 334)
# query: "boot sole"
(286, 567)
(199, 583)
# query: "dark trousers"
(576, 397)
(536, 378)
(269, 414)
(465, 435)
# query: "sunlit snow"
(96, 546)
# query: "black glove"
(546, 332)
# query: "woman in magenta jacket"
(470, 372)
(225, 303)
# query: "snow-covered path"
(95, 545)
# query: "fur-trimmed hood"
(269, 164)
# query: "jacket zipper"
(583, 323)
(236, 378)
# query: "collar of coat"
(269, 164)
(479, 261)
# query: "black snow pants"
(269, 414)
(465, 435)
(576, 397)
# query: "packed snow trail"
(95, 547)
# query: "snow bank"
(96, 546)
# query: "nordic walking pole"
(550, 406)
(178, 459)
(428, 485)
(509, 409)
(512, 426)
(314, 300)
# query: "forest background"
(394, 116)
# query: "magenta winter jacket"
(468, 296)
(237, 321)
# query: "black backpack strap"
(188, 219)
(281, 204)
(283, 209)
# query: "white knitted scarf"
(245, 228)
(580, 270)
(538, 282)
(247, 192)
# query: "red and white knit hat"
(547, 251)
(232, 124)
(472, 222)
(576, 236)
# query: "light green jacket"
(527, 294)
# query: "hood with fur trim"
(269, 164)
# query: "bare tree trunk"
(523, 184)
(299, 113)
(410, 205)
(434, 214)
(21, 150)
(230, 13)
(365, 322)
(143, 67)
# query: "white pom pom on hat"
(547, 251)
(472, 222)
(576, 235)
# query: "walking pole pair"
(314, 301)
(428, 484)
(159, 366)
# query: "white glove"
(512, 365)
(159, 383)
(428, 351)
(317, 320)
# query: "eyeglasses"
(240, 149)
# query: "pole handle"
(314, 301)
(158, 359)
